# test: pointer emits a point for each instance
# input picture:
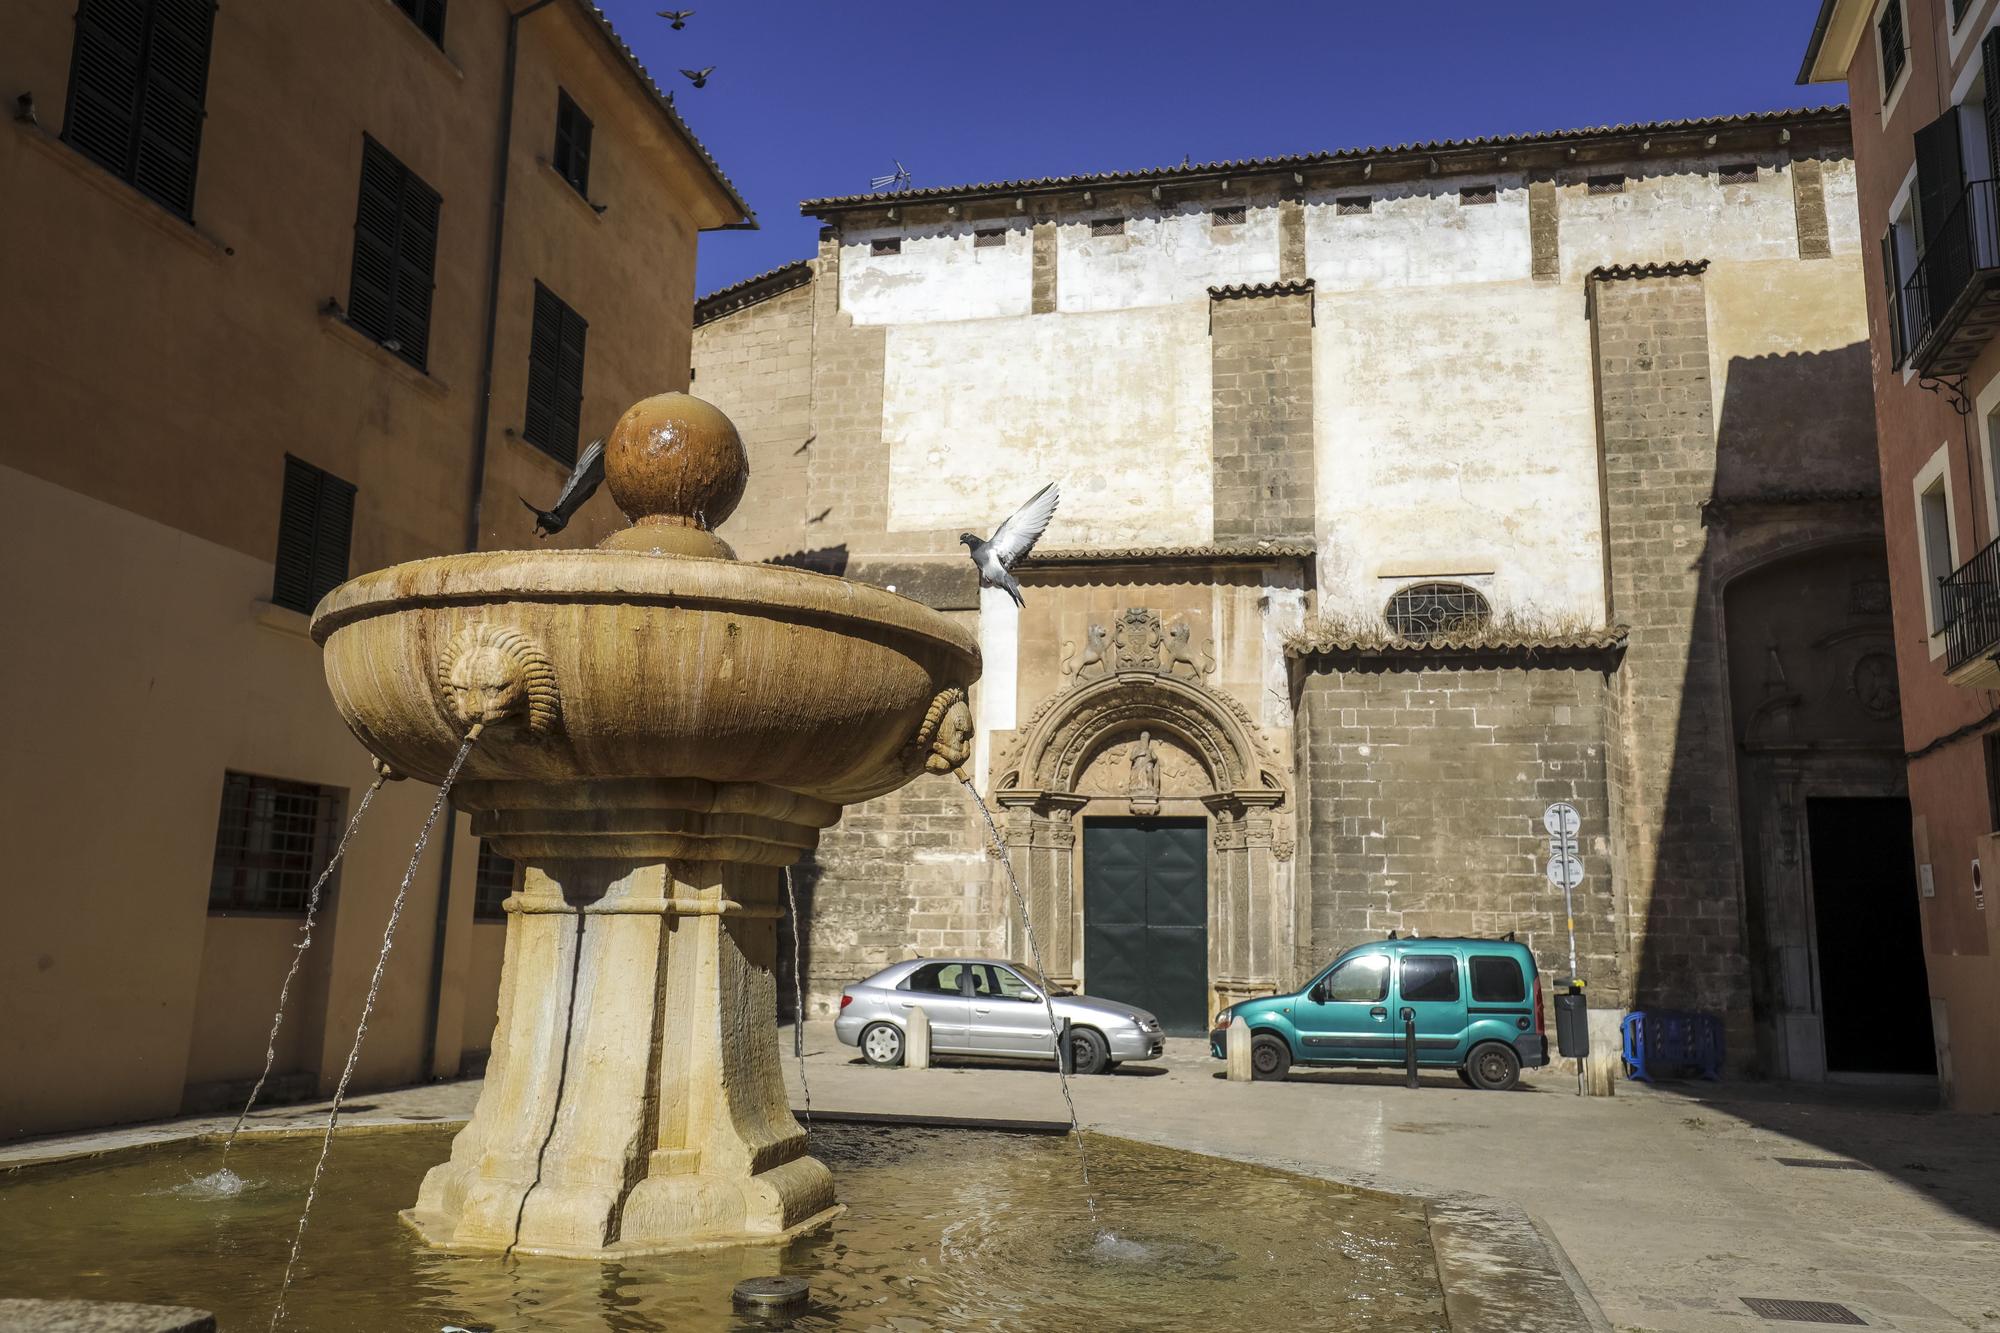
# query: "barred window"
(1424, 610)
(1478, 194)
(1353, 203)
(1611, 184)
(1107, 226)
(1737, 173)
(271, 841)
(492, 882)
(1230, 215)
(887, 245)
(989, 236)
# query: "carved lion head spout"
(489, 674)
(946, 735)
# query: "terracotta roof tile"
(1237, 551)
(1237, 291)
(1321, 637)
(1670, 268)
(762, 287)
(1802, 116)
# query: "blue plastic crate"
(1669, 1043)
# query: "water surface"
(946, 1230)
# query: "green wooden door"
(1145, 917)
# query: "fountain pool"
(944, 1229)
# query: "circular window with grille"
(1427, 610)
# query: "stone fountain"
(660, 729)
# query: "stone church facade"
(1406, 492)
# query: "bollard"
(1607, 1052)
(917, 1041)
(1409, 1048)
(1236, 1045)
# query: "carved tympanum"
(489, 674)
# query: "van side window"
(1497, 980)
(1363, 980)
(1430, 976)
(936, 978)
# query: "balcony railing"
(1971, 605)
(1951, 302)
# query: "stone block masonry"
(1809, 206)
(1677, 832)
(848, 463)
(1426, 779)
(1262, 377)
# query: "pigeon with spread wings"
(699, 77)
(583, 482)
(677, 17)
(1011, 541)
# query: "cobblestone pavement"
(1673, 1204)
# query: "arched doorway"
(1149, 825)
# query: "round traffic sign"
(1560, 819)
(1565, 872)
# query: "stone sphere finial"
(676, 467)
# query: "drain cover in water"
(1803, 1312)
(771, 1293)
(1824, 1163)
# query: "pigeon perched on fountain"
(583, 482)
(1011, 542)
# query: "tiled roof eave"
(1317, 643)
(1271, 552)
(749, 291)
(1829, 117)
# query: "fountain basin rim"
(627, 578)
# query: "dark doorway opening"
(1874, 1000)
(1145, 917)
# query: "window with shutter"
(492, 884)
(572, 155)
(555, 377)
(1945, 255)
(427, 15)
(138, 82)
(1892, 282)
(1989, 58)
(1894, 51)
(395, 255)
(315, 525)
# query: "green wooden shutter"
(315, 531)
(106, 73)
(416, 268)
(544, 351)
(1989, 57)
(1893, 292)
(572, 154)
(569, 380)
(395, 255)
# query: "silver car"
(981, 1006)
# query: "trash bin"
(1572, 1024)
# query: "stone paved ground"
(1670, 1203)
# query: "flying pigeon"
(700, 76)
(678, 17)
(582, 484)
(1011, 541)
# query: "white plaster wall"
(1685, 214)
(1114, 407)
(1454, 433)
(1163, 259)
(941, 274)
(1843, 208)
(1418, 235)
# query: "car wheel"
(882, 1044)
(1465, 1078)
(1270, 1057)
(1089, 1053)
(1493, 1067)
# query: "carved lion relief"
(488, 674)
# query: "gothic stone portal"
(1138, 740)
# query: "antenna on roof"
(899, 179)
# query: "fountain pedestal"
(663, 730)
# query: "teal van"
(1476, 1003)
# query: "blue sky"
(812, 97)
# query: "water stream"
(367, 1007)
(223, 1180)
(799, 1002)
(1041, 975)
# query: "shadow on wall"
(821, 560)
(1761, 669)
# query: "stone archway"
(1074, 761)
